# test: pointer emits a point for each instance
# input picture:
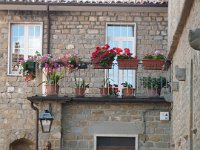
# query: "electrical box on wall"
(164, 116)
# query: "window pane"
(20, 30)
(31, 31)
(116, 31)
(130, 32)
(110, 31)
(14, 30)
(123, 31)
(37, 31)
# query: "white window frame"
(116, 135)
(9, 42)
(120, 72)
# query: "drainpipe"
(36, 123)
(48, 30)
(191, 107)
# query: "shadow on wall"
(22, 144)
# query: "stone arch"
(17, 137)
(21, 144)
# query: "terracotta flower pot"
(127, 92)
(127, 64)
(80, 92)
(104, 91)
(51, 89)
(151, 64)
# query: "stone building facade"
(74, 122)
(185, 130)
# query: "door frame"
(116, 135)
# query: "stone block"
(10, 89)
(104, 18)
(92, 18)
(93, 31)
(137, 19)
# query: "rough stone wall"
(83, 31)
(70, 31)
(174, 13)
(81, 121)
(182, 98)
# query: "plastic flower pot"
(96, 64)
(127, 63)
(151, 64)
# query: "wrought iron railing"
(147, 83)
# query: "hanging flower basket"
(51, 89)
(150, 64)
(127, 63)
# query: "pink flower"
(157, 52)
(46, 65)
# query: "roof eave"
(84, 7)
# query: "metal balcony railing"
(147, 83)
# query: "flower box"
(127, 63)
(97, 66)
(150, 64)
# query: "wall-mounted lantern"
(46, 120)
(194, 39)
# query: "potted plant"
(154, 84)
(27, 68)
(154, 61)
(105, 88)
(103, 57)
(128, 89)
(125, 59)
(53, 74)
(81, 86)
(114, 90)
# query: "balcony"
(150, 85)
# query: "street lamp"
(46, 120)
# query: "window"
(25, 40)
(123, 36)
